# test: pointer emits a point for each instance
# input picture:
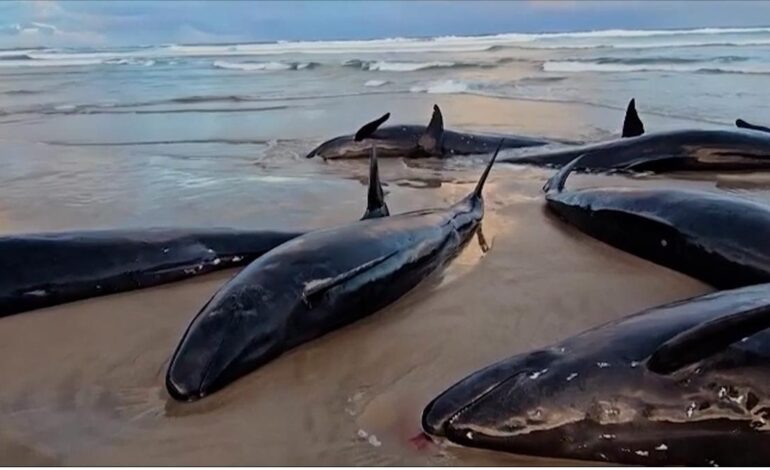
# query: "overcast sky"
(115, 23)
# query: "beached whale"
(686, 383)
(717, 238)
(416, 141)
(41, 270)
(315, 284)
(680, 150)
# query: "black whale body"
(717, 238)
(680, 150)
(315, 284)
(42, 270)
(414, 141)
(686, 383)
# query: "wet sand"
(83, 382)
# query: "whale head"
(226, 340)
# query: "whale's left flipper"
(369, 128)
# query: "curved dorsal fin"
(375, 206)
(707, 339)
(747, 125)
(632, 125)
(369, 128)
(431, 141)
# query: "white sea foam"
(588, 66)
(265, 66)
(376, 83)
(442, 87)
(407, 66)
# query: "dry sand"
(83, 382)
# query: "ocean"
(214, 135)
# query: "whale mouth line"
(441, 431)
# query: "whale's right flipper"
(369, 128)
(432, 141)
(632, 125)
(707, 339)
(375, 205)
(747, 125)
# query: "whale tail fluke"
(431, 142)
(375, 206)
(632, 125)
(483, 179)
(556, 182)
(368, 129)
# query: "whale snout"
(228, 339)
(441, 413)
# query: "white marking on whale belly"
(37, 293)
(572, 376)
(602, 365)
(374, 441)
(237, 258)
(642, 453)
(535, 375)
(663, 243)
(662, 447)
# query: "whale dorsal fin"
(632, 125)
(369, 128)
(707, 339)
(315, 289)
(747, 125)
(556, 182)
(375, 205)
(432, 140)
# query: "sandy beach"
(84, 381)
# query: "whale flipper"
(375, 206)
(431, 142)
(747, 125)
(632, 125)
(368, 129)
(483, 179)
(706, 339)
(556, 182)
(315, 289)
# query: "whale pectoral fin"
(431, 142)
(375, 206)
(632, 125)
(656, 163)
(747, 125)
(368, 129)
(556, 182)
(707, 339)
(315, 289)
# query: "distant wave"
(606, 39)
(376, 83)
(442, 87)
(619, 67)
(265, 66)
